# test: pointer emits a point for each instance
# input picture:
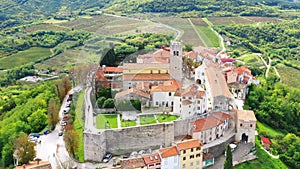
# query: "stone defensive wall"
(126, 140)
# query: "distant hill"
(15, 12)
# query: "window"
(192, 149)
(156, 103)
(157, 163)
(197, 162)
(151, 165)
(192, 156)
(183, 165)
(191, 164)
(241, 124)
(199, 148)
(198, 155)
(170, 94)
(184, 158)
(250, 125)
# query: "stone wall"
(181, 127)
(126, 140)
(94, 146)
(218, 150)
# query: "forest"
(27, 109)
(277, 40)
(278, 105)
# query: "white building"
(169, 157)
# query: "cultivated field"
(251, 60)
(229, 20)
(45, 26)
(289, 76)
(198, 22)
(27, 56)
(240, 20)
(208, 36)
(189, 35)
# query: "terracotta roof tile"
(146, 77)
(205, 123)
(188, 144)
(164, 89)
(143, 66)
(132, 91)
(151, 158)
(132, 163)
(113, 69)
(220, 115)
(168, 151)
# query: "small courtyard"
(112, 121)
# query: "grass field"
(78, 126)
(106, 120)
(166, 118)
(128, 123)
(147, 119)
(261, 127)
(27, 56)
(208, 36)
(251, 60)
(289, 76)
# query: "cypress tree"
(228, 161)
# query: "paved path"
(156, 119)
(119, 121)
(276, 157)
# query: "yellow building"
(191, 154)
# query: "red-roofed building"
(211, 127)
(170, 157)
(152, 161)
(265, 142)
(191, 153)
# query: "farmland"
(189, 35)
(289, 76)
(24, 57)
(251, 60)
(208, 36)
(239, 20)
(44, 26)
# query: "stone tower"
(176, 61)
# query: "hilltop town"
(204, 91)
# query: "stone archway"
(244, 138)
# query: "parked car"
(46, 132)
(107, 157)
(37, 135)
(60, 133)
(66, 110)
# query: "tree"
(109, 103)
(52, 113)
(24, 149)
(100, 101)
(71, 139)
(228, 161)
(37, 120)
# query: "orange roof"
(132, 91)
(220, 115)
(151, 158)
(190, 54)
(132, 163)
(205, 123)
(188, 144)
(242, 69)
(113, 69)
(164, 89)
(146, 77)
(190, 91)
(169, 151)
(200, 94)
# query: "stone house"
(245, 126)
(152, 161)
